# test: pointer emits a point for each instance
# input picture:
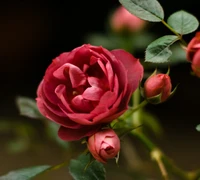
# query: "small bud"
(193, 47)
(123, 20)
(157, 88)
(196, 64)
(104, 145)
(193, 54)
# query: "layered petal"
(68, 134)
(87, 88)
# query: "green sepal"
(174, 90)
(142, 91)
(117, 158)
(155, 99)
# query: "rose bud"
(157, 88)
(193, 47)
(193, 54)
(86, 88)
(196, 64)
(104, 145)
(123, 20)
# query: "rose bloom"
(122, 20)
(193, 54)
(104, 145)
(158, 84)
(86, 88)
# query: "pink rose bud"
(193, 54)
(86, 88)
(104, 145)
(123, 20)
(157, 86)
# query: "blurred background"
(32, 33)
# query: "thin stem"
(177, 34)
(132, 111)
(136, 102)
(52, 168)
(157, 156)
(163, 161)
(139, 106)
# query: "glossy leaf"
(80, 169)
(178, 56)
(183, 22)
(158, 51)
(25, 174)
(28, 107)
(149, 10)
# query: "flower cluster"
(86, 89)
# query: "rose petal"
(49, 90)
(133, 67)
(52, 107)
(93, 60)
(67, 134)
(59, 73)
(64, 121)
(119, 70)
(82, 104)
(102, 66)
(60, 91)
(109, 74)
(81, 118)
(93, 93)
(79, 56)
(92, 148)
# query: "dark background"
(32, 33)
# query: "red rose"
(193, 47)
(159, 84)
(104, 145)
(122, 20)
(86, 88)
(193, 54)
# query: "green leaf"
(78, 170)
(183, 22)
(149, 10)
(158, 51)
(25, 174)
(198, 128)
(28, 107)
(178, 56)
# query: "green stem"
(139, 106)
(136, 103)
(163, 161)
(177, 34)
